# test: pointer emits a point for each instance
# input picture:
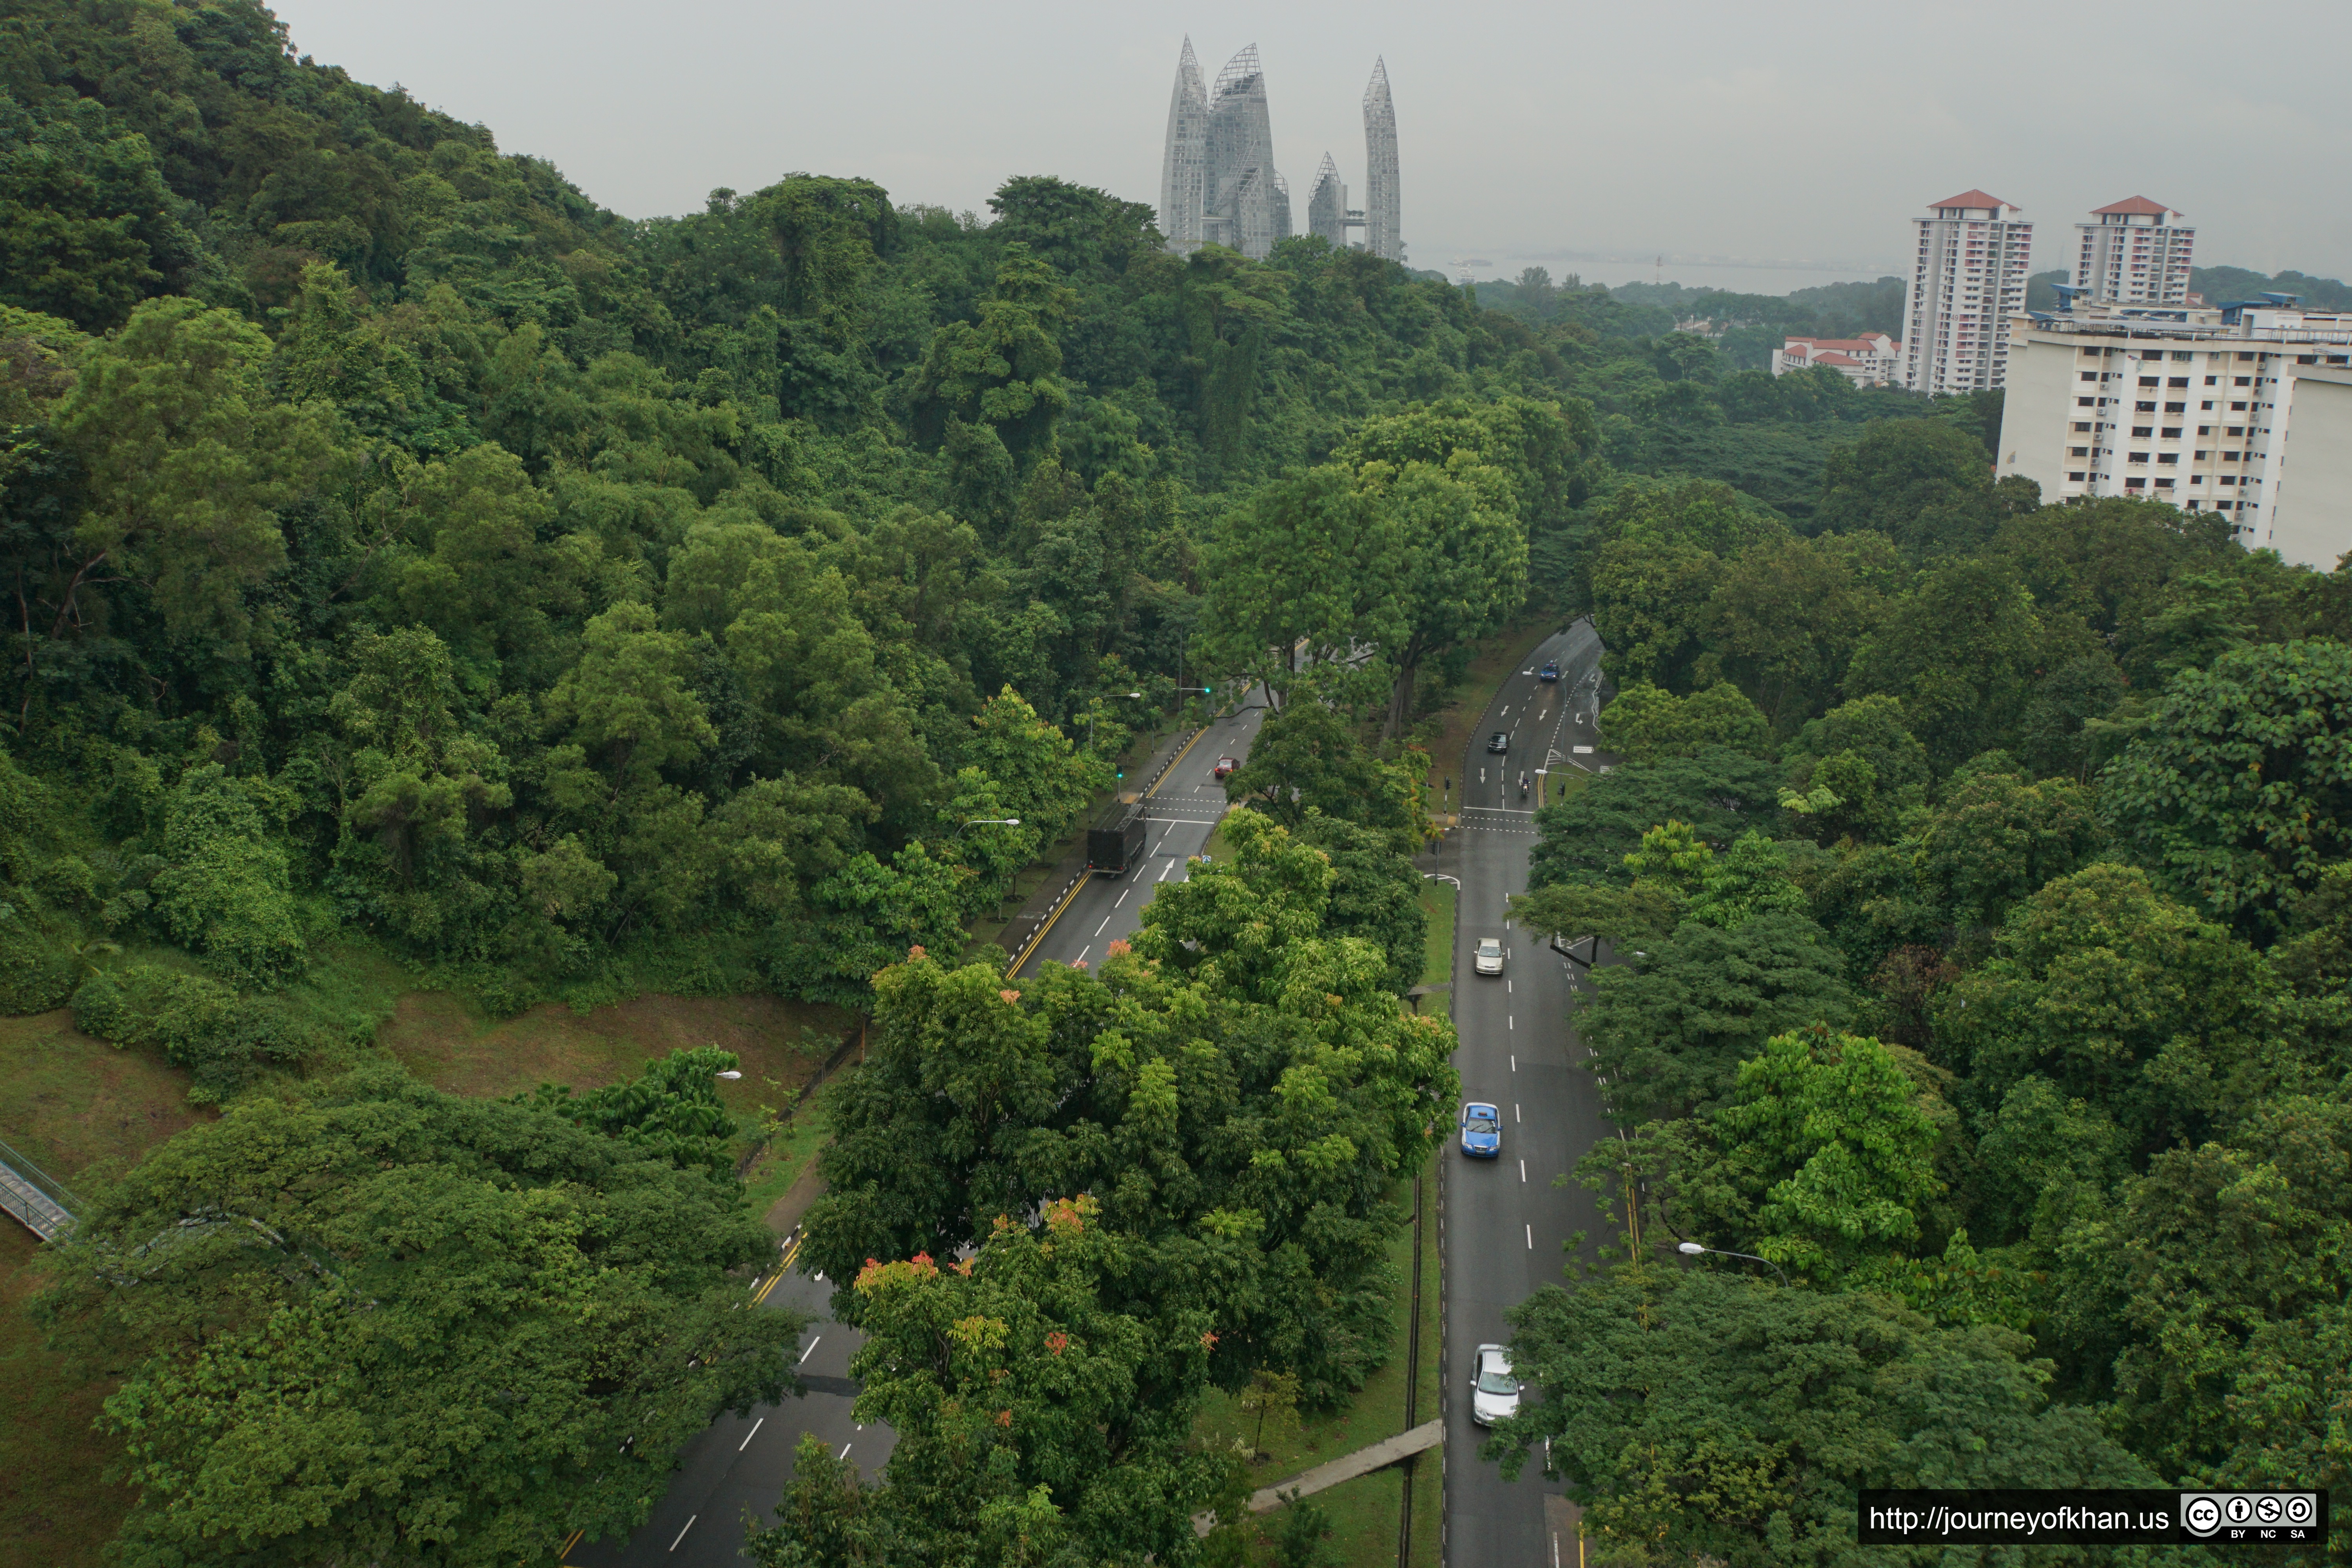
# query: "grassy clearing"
(452, 1043)
(85, 1111)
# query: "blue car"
(1551, 671)
(1482, 1131)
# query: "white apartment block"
(1967, 280)
(2134, 252)
(2240, 409)
(1873, 361)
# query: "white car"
(1493, 1392)
(1490, 955)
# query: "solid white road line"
(811, 1351)
(762, 1421)
(681, 1534)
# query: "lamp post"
(1000, 821)
(1692, 1249)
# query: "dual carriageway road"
(1503, 1225)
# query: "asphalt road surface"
(1504, 1225)
(738, 1466)
(1184, 808)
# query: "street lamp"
(729, 1072)
(1000, 821)
(1692, 1249)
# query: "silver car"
(1493, 1392)
(1490, 955)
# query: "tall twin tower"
(1218, 184)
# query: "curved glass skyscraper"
(1218, 184)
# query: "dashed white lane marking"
(1123, 898)
(1522, 1170)
(681, 1534)
(845, 1447)
(1082, 953)
(762, 1421)
(1514, 1110)
(1515, 1061)
(1509, 1022)
(1531, 1247)
(812, 1349)
(1106, 920)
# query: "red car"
(1226, 765)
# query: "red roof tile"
(2135, 205)
(1970, 199)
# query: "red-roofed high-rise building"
(2134, 252)
(1968, 277)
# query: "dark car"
(1225, 766)
(1482, 1131)
(1500, 743)
(1549, 671)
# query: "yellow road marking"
(1067, 900)
(570, 1542)
(1170, 768)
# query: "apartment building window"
(2201, 457)
(2229, 456)
(2176, 381)
(2090, 375)
(2142, 432)
(2212, 380)
(2139, 457)
(2153, 381)
(2135, 483)
(2164, 484)
(2229, 479)
(2236, 430)
(2144, 407)
(2075, 477)
(2176, 408)
(2082, 403)
(2163, 458)
(2237, 408)
(2078, 451)
(2172, 432)
(2081, 424)
(2243, 380)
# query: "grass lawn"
(83, 1111)
(451, 1043)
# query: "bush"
(222, 1038)
(34, 974)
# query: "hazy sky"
(1782, 133)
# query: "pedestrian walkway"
(1346, 1468)
(35, 1200)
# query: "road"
(1503, 1224)
(1184, 808)
(741, 1466)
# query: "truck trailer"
(1114, 843)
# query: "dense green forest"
(1984, 933)
(408, 557)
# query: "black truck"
(1114, 843)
